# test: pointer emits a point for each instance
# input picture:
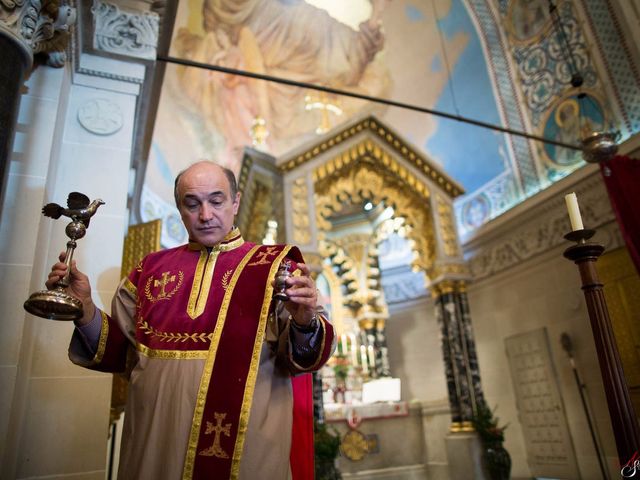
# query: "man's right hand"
(79, 286)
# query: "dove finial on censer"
(57, 304)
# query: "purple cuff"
(305, 345)
(90, 333)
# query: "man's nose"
(206, 212)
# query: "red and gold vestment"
(210, 392)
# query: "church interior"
(418, 152)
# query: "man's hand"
(79, 286)
(303, 296)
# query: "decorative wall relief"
(529, 64)
(300, 207)
(621, 66)
(542, 59)
(101, 116)
(260, 214)
(41, 27)
(447, 229)
(544, 228)
(134, 34)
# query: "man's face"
(206, 206)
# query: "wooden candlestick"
(623, 418)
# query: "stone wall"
(74, 133)
(522, 283)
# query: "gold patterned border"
(208, 368)
(253, 369)
(104, 334)
(389, 138)
(171, 354)
(131, 288)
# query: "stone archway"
(366, 173)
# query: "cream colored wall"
(543, 293)
(415, 351)
(40, 108)
(54, 415)
(415, 356)
(542, 289)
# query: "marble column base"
(464, 452)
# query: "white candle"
(343, 342)
(372, 357)
(574, 211)
(363, 359)
(354, 351)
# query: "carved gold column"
(459, 352)
(27, 28)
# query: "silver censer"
(57, 304)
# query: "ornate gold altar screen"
(141, 240)
(367, 162)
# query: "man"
(210, 392)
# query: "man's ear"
(236, 203)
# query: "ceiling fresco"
(499, 62)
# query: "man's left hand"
(303, 296)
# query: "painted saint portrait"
(570, 121)
(527, 18)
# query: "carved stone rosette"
(459, 353)
(38, 27)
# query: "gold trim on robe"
(208, 368)
(204, 270)
(104, 334)
(253, 369)
(202, 282)
(131, 288)
(171, 354)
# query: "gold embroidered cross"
(166, 279)
(262, 256)
(215, 450)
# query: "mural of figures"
(422, 52)
(527, 18)
(385, 49)
(571, 120)
(294, 40)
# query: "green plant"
(486, 424)
(340, 367)
(495, 458)
(326, 442)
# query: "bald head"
(204, 164)
(208, 199)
